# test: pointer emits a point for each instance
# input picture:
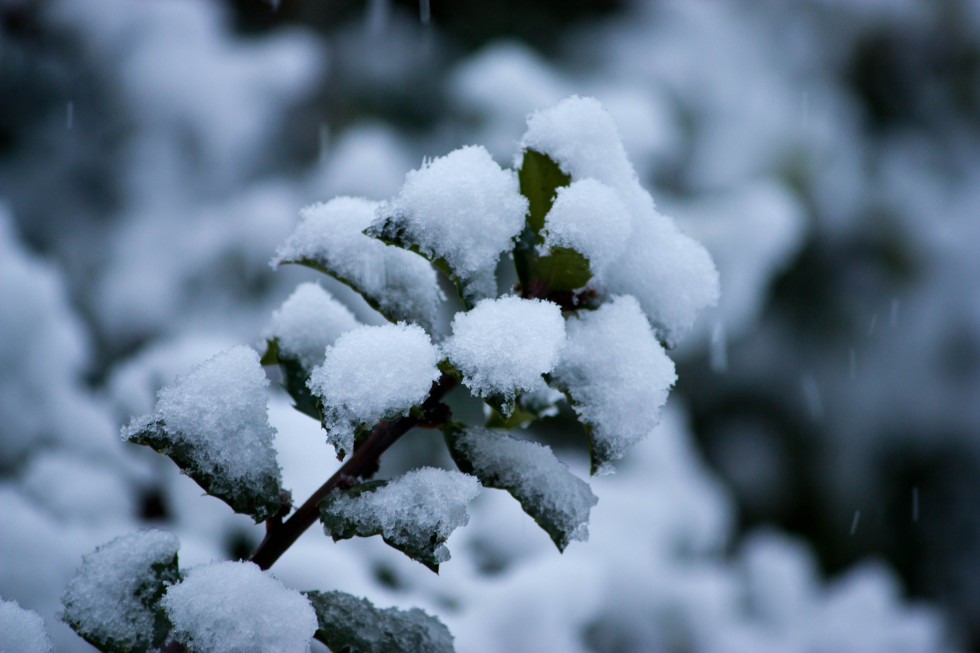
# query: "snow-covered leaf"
(22, 630)
(462, 210)
(617, 376)
(348, 624)
(503, 346)
(414, 513)
(370, 374)
(555, 498)
(213, 424)
(113, 600)
(398, 284)
(230, 607)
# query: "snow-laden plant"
(605, 282)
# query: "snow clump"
(110, 598)
(618, 376)
(234, 607)
(22, 631)
(462, 208)
(373, 373)
(308, 322)
(503, 346)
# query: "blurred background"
(815, 485)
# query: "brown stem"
(362, 464)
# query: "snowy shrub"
(604, 283)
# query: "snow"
(77, 489)
(235, 607)
(22, 631)
(589, 217)
(308, 322)
(671, 275)
(373, 373)
(413, 509)
(105, 598)
(617, 374)
(581, 137)
(400, 284)
(218, 412)
(463, 208)
(503, 346)
(534, 475)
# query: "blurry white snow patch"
(366, 160)
(752, 233)
(76, 489)
(463, 208)
(617, 374)
(503, 346)
(308, 322)
(22, 631)
(232, 607)
(373, 373)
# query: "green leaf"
(556, 499)
(562, 269)
(348, 624)
(540, 179)
(261, 500)
(294, 377)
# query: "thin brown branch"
(363, 463)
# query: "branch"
(362, 464)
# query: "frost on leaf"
(396, 283)
(213, 423)
(503, 346)
(556, 499)
(370, 374)
(298, 336)
(113, 600)
(671, 274)
(414, 513)
(23, 630)
(354, 625)
(617, 375)
(461, 211)
(230, 607)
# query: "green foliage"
(348, 624)
(562, 269)
(294, 377)
(261, 503)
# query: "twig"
(362, 464)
